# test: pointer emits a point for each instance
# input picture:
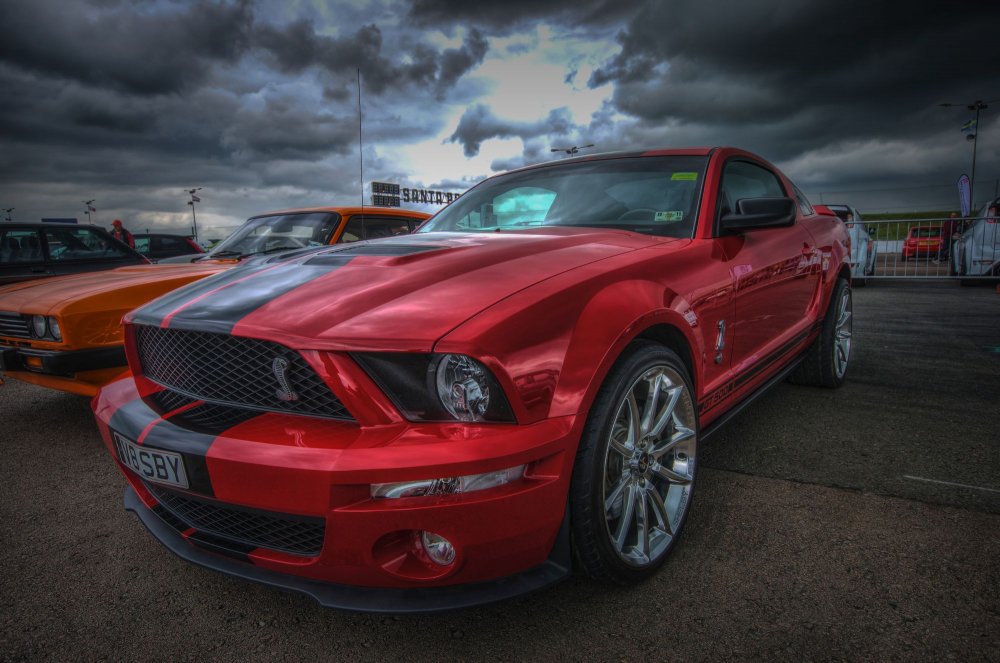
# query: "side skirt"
(732, 412)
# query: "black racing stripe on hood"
(384, 249)
(133, 418)
(220, 311)
(156, 311)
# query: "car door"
(22, 255)
(776, 270)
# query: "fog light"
(39, 326)
(438, 548)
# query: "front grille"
(233, 370)
(299, 535)
(13, 324)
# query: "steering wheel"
(638, 210)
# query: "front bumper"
(61, 362)
(509, 540)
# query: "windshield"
(266, 234)
(652, 195)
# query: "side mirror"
(753, 213)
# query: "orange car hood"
(110, 289)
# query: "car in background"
(437, 420)
(65, 333)
(157, 246)
(922, 241)
(977, 251)
(363, 223)
(864, 251)
(36, 250)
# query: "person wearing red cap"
(119, 232)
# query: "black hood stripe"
(160, 309)
(221, 310)
(131, 419)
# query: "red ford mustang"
(443, 419)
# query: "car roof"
(39, 224)
(624, 154)
(350, 210)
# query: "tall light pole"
(90, 208)
(977, 106)
(194, 217)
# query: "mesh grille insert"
(234, 370)
(298, 535)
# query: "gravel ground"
(806, 538)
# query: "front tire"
(826, 361)
(635, 469)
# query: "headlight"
(54, 328)
(435, 387)
(39, 326)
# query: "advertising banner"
(965, 194)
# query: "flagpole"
(975, 142)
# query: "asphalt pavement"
(861, 523)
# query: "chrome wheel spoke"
(634, 431)
(659, 509)
(642, 522)
(681, 433)
(667, 413)
(625, 522)
(615, 495)
(664, 472)
(652, 396)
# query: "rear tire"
(635, 469)
(827, 359)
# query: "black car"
(157, 246)
(35, 250)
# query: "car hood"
(53, 296)
(401, 293)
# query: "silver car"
(977, 251)
(863, 248)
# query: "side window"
(376, 228)
(80, 244)
(168, 243)
(20, 246)
(804, 206)
(353, 231)
(742, 179)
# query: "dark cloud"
(845, 69)
(478, 124)
(125, 48)
(504, 16)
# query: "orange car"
(65, 332)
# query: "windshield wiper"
(225, 254)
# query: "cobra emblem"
(280, 368)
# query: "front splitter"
(367, 599)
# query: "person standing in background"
(119, 232)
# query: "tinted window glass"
(353, 231)
(652, 195)
(742, 179)
(385, 227)
(20, 246)
(168, 243)
(81, 244)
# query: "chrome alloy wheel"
(842, 334)
(649, 466)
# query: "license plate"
(152, 464)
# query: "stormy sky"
(130, 102)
